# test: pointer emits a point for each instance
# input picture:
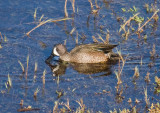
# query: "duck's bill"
(49, 58)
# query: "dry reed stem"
(35, 14)
(9, 81)
(21, 103)
(90, 1)
(72, 31)
(96, 4)
(120, 69)
(157, 80)
(27, 66)
(77, 37)
(136, 72)
(137, 101)
(1, 40)
(67, 105)
(36, 92)
(58, 79)
(139, 29)
(94, 39)
(0, 46)
(44, 22)
(55, 108)
(21, 66)
(73, 5)
(146, 96)
(1, 36)
(35, 68)
(43, 77)
(65, 42)
(153, 52)
(41, 18)
(128, 21)
(141, 61)
(147, 79)
(107, 37)
(82, 106)
(99, 36)
(5, 38)
(65, 9)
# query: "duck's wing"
(105, 47)
(93, 47)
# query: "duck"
(84, 53)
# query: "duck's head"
(59, 50)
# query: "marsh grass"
(157, 80)
(147, 78)
(106, 41)
(21, 103)
(22, 67)
(127, 26)
(43, 77)
(48, 20)
(8, 84)
(27, 66)
(127, 23)
(59, 93)
(35, 71)
(137, 101)
(1, 37)
(35, 67)
(146, 97)
(1, 40)
(148, 9)
(55, 108)
(76, 37)
(73, 5)
(120, 68)
(94, 39)
(44, 22)
(57, 79)
(107, 36)
(157, 85)
(82, 107)
(155, 108)
(141, 63)
(41, 18)
(35, 14)
(153, 52)
(72, 31)
(96, 9)
(65, 107)
(35, 93)
(119, 91)
(155, 13)
(0, 46)
(129, 100)
(90, 1)
(65, 9)
(136, 72)
(120, 111)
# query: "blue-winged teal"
(86, 53)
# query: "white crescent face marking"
(55, 51)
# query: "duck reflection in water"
(85, 59)
(83, 68)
